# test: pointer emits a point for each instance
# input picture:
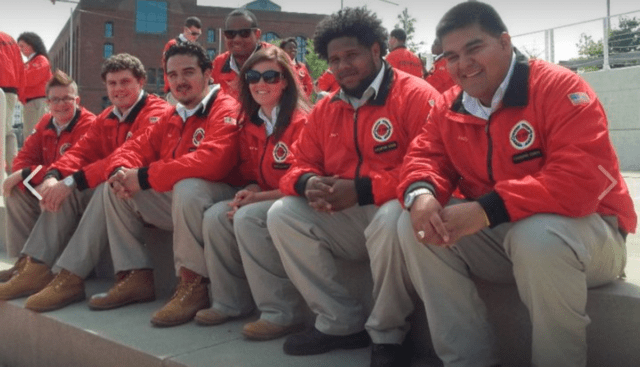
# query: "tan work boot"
(31, 278)
(191, 296)
(65, 289)
(5, 275)
(131, 286)
(267, 330)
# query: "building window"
(212, 53)
(269, 36)
(151, 17)
(211, 35)
(302, 48)
(108, 50)
(151, 76)
(108, 29)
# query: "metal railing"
(618, 48)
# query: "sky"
(521, 17)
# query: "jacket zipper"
(355, 140)
(489, 150)
(179, 139)
(264, 152)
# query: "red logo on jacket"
(522, 135)
(64, 148)
(280, 152)
(198, 135)
(382, 130)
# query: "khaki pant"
(181, 211)
(11, 142)
(243, 262)
(309, 243)
(552, 259)
(33, 112)
(52, 230)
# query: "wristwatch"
(69, 182)
(411, 197)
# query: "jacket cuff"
(81, 180)
(25, 172)
(301, 184)
(53, 173)
(143, 178)
(364, 189)
(494, 206)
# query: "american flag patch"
(154, 119)
(579, 98)
(230, 120)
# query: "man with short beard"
(168, 177)
(342, 188)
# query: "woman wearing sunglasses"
(243, 264)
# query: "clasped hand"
(124, 183)
(330, 194)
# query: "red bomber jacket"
(546, 149)
(265, 161)
(402, 58)
(37, 73)
(366, 145)
(204, 146)
(44, 146)
(87, 160)
(12, 75)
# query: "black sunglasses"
(269, 76)
(232, 33)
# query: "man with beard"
(168, 177)
(74, 214)
(241, 39)
(342, 188)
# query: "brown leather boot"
(65, 289)
(31, 278)
(267, 330)
(192, 295)
(5, 275)
(131, 286)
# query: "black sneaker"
(314, 341)
(388, 355)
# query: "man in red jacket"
(168, 177)
(400, 57)
(526, 143)
(342, 186)
(191, 32)
(241, 39)
(56, 132)
(83, 168)
(12, 83)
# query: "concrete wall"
(619, 92)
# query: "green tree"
(625, 38)
(407, 23)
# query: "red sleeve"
(307, 82)
(214, 158)
(30, 155)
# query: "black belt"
(10, 90)
(623, 233)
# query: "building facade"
(140, 27)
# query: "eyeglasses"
(56, 100)
(197, 34)
(232, 33)
(269, 76)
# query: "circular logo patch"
(129, 135)
(280, 152)
(198, 135)
(382, 130)
(522, 135)
(64, 148)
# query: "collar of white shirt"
(269, 122)
(123, 115)
(371, 91)
(475, 107)
(186, 113)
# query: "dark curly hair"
(350, 22)
(35, 42)
(191, 49)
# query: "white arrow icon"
(28, 185)
(614, 182)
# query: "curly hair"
(35, 42)
(350, 22)
(123, 61)
(292, 97)
(191, 49)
